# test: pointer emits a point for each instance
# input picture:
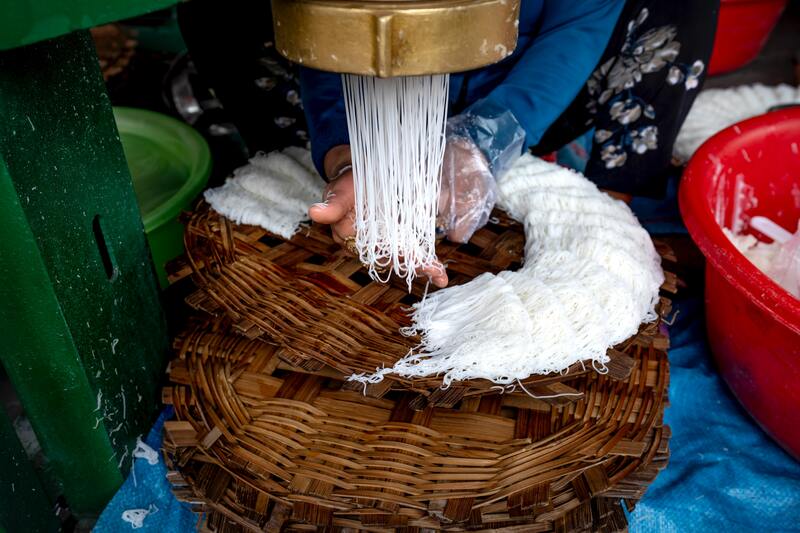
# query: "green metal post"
(84, 337)
(28, 21)
(25, 506)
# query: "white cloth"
(716, 109)
(273, 191)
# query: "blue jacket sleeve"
(323, 102)
(548, 75)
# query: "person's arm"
(323, 102)
(552, 70)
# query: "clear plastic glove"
(482, 144)
(468, 192)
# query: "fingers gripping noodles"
(397, 140)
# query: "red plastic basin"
(753, 324)
(743, 29)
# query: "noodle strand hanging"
(397, 140)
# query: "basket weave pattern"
(270, 436)
(317, 302)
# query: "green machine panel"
(21, 492)
(29, 21)
(83, 330)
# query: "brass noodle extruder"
(400, 38)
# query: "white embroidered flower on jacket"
(641, 54)
(614, 155)
(625, 112)
(649, 53)
(689, 76)
(601, 136)
(644, 139)
(612, 86)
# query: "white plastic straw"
(770, 229)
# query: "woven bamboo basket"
(270, 436)
(115, 47)
(318, 304)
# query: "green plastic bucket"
(169, 163)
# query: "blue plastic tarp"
(147, 488)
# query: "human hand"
(482, 144)
(468, 191)
(337, 208)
